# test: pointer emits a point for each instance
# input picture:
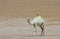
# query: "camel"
(37, 21)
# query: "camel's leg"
(42, 33)
(35, 29)
(42, 28)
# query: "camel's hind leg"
(42, 28)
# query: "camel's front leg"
(35, 29)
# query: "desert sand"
(18, 28)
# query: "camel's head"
(28, 19)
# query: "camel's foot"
(42, 33)
(35, 33)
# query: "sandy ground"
(18, 28)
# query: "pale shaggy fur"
(37, 21)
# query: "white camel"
(37, 21)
